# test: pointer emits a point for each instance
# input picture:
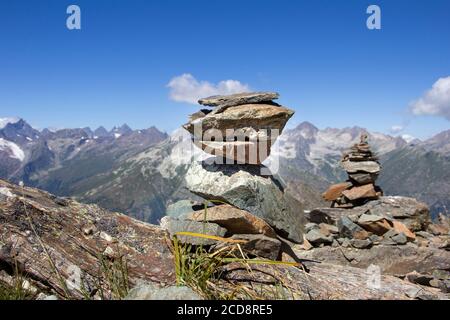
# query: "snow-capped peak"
(408, 138)
(4, 121)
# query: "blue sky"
(318, 55)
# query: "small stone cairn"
(362, 168)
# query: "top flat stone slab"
(238, 99)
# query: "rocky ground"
(68, 250)
(395, 234)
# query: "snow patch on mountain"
(4, 121)
(13, 149)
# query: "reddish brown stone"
(400, 227)
(379, 227)
(335, 191)
(235, 220)
(362, 192)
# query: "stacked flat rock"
(363, 168)
(240, 127)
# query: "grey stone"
(245, 187)
(422, 279)
(365, 218)
(346, 243)
(330, 228)
(441, 274)
(388, 242)
(181, 208)
(349, 229)
(332, 215)
(316, 237)
(173, 225)
(375, 239)
(393, 260)
(43, 296)
(363, 178)
(424, 234)
(391, 233)
(361, 244)
(311, 226)
(444, 285)
(361, 166)
(239, 99)
(400, 238)
(154, 292)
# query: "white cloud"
(396, 129)
(186, 88)
(435, 101)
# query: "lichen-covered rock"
(36, 226)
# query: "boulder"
(362, 192)
(349, 229)
(235, 220)
(154, 292)
(173, 225)
(244, 187)
(335, 191)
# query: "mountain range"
(140, 172)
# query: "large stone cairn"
(246, 200)
(362, 168)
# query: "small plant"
(17, 290)
(114, 275)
